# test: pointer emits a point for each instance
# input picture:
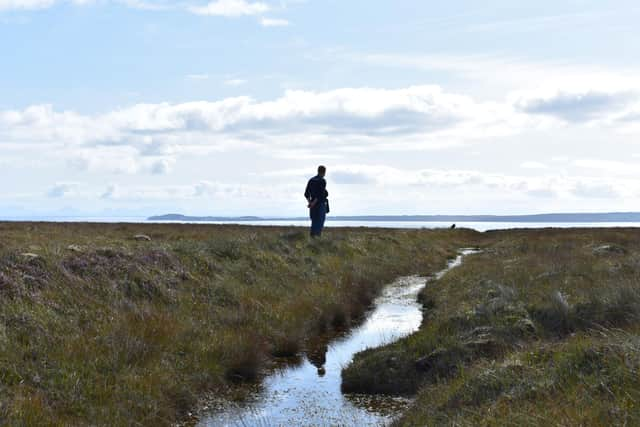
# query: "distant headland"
(548, 217)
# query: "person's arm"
(311, 202)
(307, 192)
(323, 188)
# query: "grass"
(99, 328)
(541, 328)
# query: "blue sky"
(226, 107)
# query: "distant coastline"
(539, 218)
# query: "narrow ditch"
(308, 394)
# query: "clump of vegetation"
(101, 326)
(540, 328)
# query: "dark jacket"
(316, 189)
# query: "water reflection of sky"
(479, 226)
(299, 396)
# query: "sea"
(479, 226)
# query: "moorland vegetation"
(131, 324)
(541, 328)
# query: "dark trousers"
(318, 214)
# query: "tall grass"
(98, 328)
(541, 328)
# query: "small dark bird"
(453, 226)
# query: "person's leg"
(315, 223)
(322, 215)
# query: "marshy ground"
(541, 328)
(98, 327)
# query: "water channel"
(308, 394)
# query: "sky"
(227, 107)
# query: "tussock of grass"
(99, 328)
(586, 380)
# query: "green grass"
(539, 329)
(103, 329)
(98, 328)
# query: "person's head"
(322, 170)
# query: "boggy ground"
(98, 328)
(541, 328)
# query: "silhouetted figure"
(316, 195)
(453, 226)
(317, 356)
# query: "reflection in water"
(309, 394)
(317, 354)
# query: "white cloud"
(63, 189)
(227, 8)
(364, 188)
(578, 106)
(231, 8)
(118, 160)
(205, 188)
(6, 5)
(112, 192)
(274, 22)
(409, 183)
(208, 189)
(349, 178)
(148, 137)
(25, 4)
(590, 188)
(608, 167)
(235, 82)
(161, 166)
(361, 189)
(104, 160)
(153, 147)
(349, 123)
(374, 116)
(145, 5)
(533, 165)
(41, 123)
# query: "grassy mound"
(542, 327)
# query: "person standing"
(317, 202)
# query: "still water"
(309, 394)
(479, 226)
